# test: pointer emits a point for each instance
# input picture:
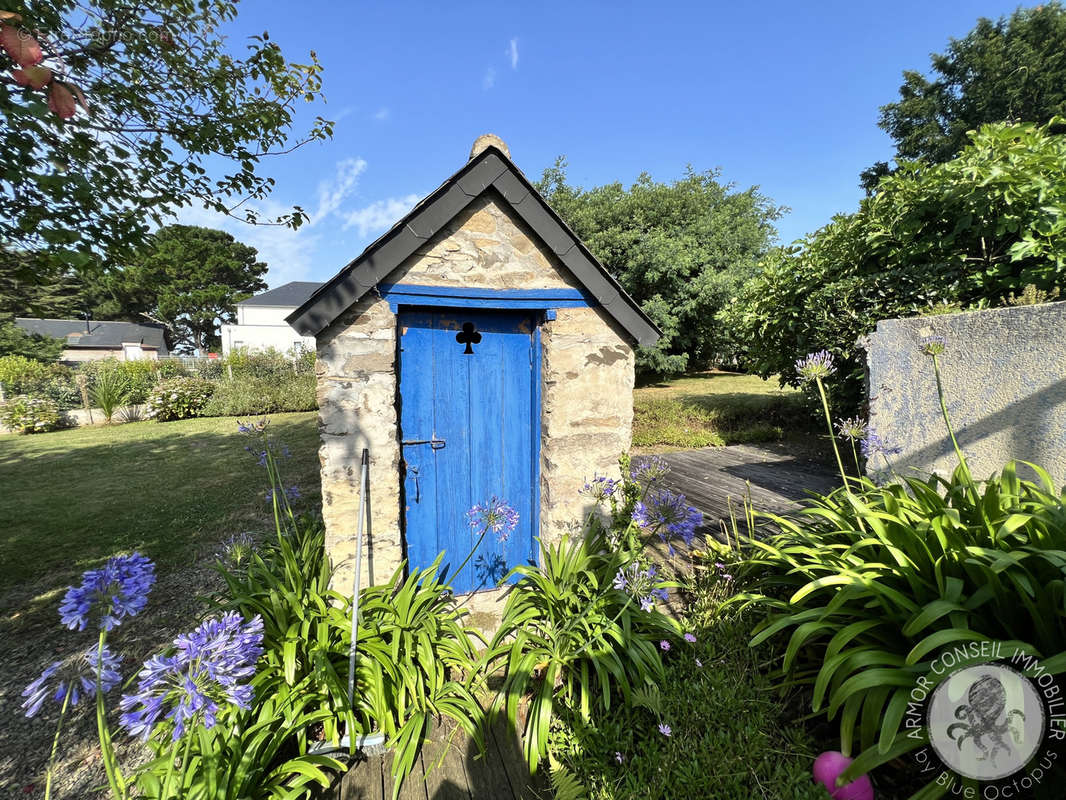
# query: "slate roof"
(293, 293)
(101, 335)
(490, 170)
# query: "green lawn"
(716, 408)
(72, 498)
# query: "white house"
(261, 321)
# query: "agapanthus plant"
(815, 368)
(87, 672)
(69, 680)
(668, 514)
(103, 599)
(647, 470)
(640, 583)
(495, 516)
(206, 671)
(600, 488)
(106, 595)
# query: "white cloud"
(512, 52)
(379, 215)
(332, 193)
(382, 114)
(489, 80)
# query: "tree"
(938, 237)
(119, 112)
(1013, 69)
(188, 279)
(16, 342)
(32, 287)
(680, 249)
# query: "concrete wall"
(587, 397)
(263, 315)
(72, 354)
(1004, 376)
(263, 337)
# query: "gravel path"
(31, 637)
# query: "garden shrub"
(141, 376)
(871, 583)
(178, 398)
(248, 396)
(20, 375)
(27, 414)
(967, 232)
(581, 629)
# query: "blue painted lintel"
(398, 294)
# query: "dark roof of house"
(100, 335)
(293, 293)
(491, 169)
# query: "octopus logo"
(986, 722)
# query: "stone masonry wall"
(1004, 375)
(587, 397)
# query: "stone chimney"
(489, 140)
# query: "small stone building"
(477, 349)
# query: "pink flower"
(23, 48)
(690, 638)
(61, 101)
(34, 77)
(664, 729)
(664, 645)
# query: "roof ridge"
(490, 169)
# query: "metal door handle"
(435, 444)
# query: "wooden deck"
(449, 772)
(772, 476)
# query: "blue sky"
(780, 95)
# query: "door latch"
(435, 444)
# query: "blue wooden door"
(470, 429)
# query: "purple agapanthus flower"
(853, 428)
(933, 345)
(664, 729)
(74, 676)
(815, 366)
(648, 469)
(874, 445)
(206, 670)
(690, 638)
(639, 583)
(668, 514)
(253, 428)
(237, 549)
(495, 516)
(291, 493)
(116, 590)
(600, 488)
